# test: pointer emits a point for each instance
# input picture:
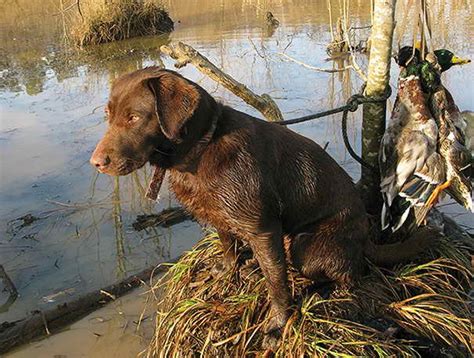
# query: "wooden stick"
(184, 54)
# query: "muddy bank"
(122, 328)
(45, 323)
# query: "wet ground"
(120, 329)
(64, 230)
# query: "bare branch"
(354, 67)
(184, 54)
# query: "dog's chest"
(200, 199)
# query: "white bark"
(373, 124)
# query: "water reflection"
(51, 117)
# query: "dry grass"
(113, 20)
(417, 309)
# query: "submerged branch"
(184, 54)
(328, 70)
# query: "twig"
(166, 218)
(330, 19)
(45, 323)
(69, 8)
(79, 9)
(289, 43)
(255, 48)
(360, 27)
(328, 70)
(84, 205)
(354, 63)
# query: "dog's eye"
(133, 118)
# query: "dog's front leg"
(269, 252)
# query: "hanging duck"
(452, 148)
(410, 165)
(417, 160)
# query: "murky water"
(75, 234)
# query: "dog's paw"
(274, 328)
(272, 340)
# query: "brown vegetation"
(113, 20)
(414, 309)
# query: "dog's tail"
(390, 254)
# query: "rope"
(351, 105)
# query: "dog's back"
(291, 171)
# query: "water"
(52, 116)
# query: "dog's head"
(153, 116)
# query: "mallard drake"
(428, 70)
(451, 126)
(410, 166)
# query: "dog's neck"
(191, 160)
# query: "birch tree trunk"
(373, 123)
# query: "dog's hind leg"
(230, 245)
(328, 255)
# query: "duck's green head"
(447, 59)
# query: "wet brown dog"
(252, 180)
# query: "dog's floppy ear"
(175, 102)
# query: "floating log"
(166, 218)
(184, 54)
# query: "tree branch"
(184, 54)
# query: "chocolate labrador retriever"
(252, 180)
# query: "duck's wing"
(457, 125)
(422, 190)
(411, 179)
